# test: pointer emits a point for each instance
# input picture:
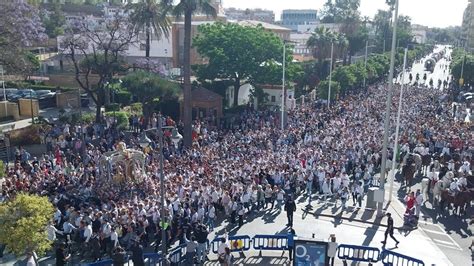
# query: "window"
(142, 46)
(273, 99)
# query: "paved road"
(451, 234)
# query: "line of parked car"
(13, 95)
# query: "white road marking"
(434, 232)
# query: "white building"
(419, 33)
(308, 28)
(273, 91)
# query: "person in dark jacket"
(389, 230)
(119, 256)
(137, 253)
(290, 208)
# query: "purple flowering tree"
(96, 50)
(20, 28)
(150, 65)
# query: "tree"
(98, 51)
(320, 43)
(323, 89)
(238, 53)
(18, 30)
(186, 9)
(150, 15)
(53, 21)
(345, 77)
(150, 89)
(23, 224)
(456, 65)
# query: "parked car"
(23, 94)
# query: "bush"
(122, 119)
(323, 89)
(136, 108)
(88, 117)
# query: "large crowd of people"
(244, 168)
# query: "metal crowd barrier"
(107, 262)
(236, 243)
(396, 259)
(152, 258)
(358, 253)
(270, 242)
(177, 254)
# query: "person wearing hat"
(389, 230)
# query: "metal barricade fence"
(107, 262)
(270, 242)
(236, 243)
(153, 258)
(396, 259)
(358, 253)
(176, 255)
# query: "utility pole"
(330, 75)
(283, 89)
(395, 146)
(388, 111)
(365, 61)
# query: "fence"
(177, 254)
(396, 259)
(270, 242)
(240, 243)
(358, 253)
(236, 243)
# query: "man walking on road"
(290, 208)
(389, 230)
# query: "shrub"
(136, 108)
(122, 119)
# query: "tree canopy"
(237, 53)
(23, 224)
(18, 30)
(150, 89)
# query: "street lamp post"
(144, 142)
(387, 112)
(330, 75)
(283, 89)
(395, 146)
(365, 61)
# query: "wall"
(12, 110)
(27, 106)
(67, 100)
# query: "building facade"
(291, 18)
(250, 14)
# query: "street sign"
(308, 252)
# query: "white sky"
(442, 13)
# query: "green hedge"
(27, 85)
(122, 119)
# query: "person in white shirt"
(51, 230)
(114, 238)
(211, 214)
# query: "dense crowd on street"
(244, 169)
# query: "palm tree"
(147, 15)
(186, 9)
(320, 43)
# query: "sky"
(442, 13)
